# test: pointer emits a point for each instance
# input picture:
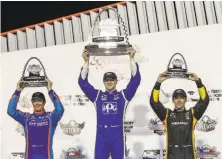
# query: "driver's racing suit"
(180, 124)
(39, 128)
(110, 108)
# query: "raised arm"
(201, 106)
(86, 87)
(135, 79)
(58, 111)
(156, 105)
(12, 107)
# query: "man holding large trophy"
(180, 122)
(111, 104)
(39, 126)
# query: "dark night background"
(16, 14)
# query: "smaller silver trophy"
(177, 67)
(108, 43)
(34, 79)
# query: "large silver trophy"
(34, 79)
(108, 42)
(177, 67)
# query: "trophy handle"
(175, 55)
(23, 73)
(119, 17)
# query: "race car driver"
(110, 107)
(180, 123)
(39, 126)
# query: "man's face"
(38, 105)
(179, 102)
(110, 84)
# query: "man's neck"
(39, 112)
(110, 91)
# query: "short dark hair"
(109, 76)
(179, 93)
(38, 96)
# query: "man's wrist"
(157, 85)
(199, 83)
(159, 81)
(17, 92)
(50, 91)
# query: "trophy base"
(177, 75)
(121, 49)
(33, 82)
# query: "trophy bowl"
(108, 42)
(177, 67)
(34, 79)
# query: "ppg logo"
(109, 108)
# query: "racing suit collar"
(178, 111)
(43, 113)
(111, 92)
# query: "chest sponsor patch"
(180, 123)
(38, 121)
(109, 108)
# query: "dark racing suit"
(39, 128)
(180, 124)
(110, 108)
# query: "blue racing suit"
(39, 128)
(110, 108)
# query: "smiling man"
(180, 123)
(39, 126)
(110, 107)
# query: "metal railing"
(140, 17)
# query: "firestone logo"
(207, 152)
(157, 126)
(72, 128)
(206, 124)
(72, 153)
